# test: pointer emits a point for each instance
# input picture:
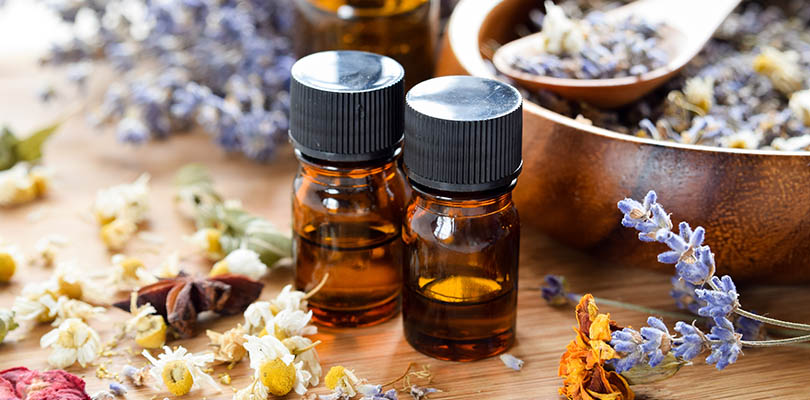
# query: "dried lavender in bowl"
(593, 47)
(747, 89)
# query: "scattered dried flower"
(129, 273)
(119, 209)
(511, 361)
(179, 370)
(342, 382)
(46, 248)
(700, 92)
(275, 371)
(241, 262)
(228, 346)
(148, 329)
(135, 375)
(800, 106)
(582, 364)
(72, 341)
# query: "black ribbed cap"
(463, 134)
(346, 106)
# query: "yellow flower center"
(7, 267)
(334, 375)
(72, 290)
(177, 377)
(278, 377)
(66, 340)
(220, 268)
(151, 332)
(131, 267)
(212, 237)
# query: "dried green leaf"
(8, 142)
(30, 148)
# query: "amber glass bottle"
(346, 123)
(405, 30)
(461, 231)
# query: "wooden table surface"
(85, 159)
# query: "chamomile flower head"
(287, 323)
(179, 370)
(289, 299)
(72, 341)
(7, 323)
(342, 380)
(700, 92)
(304, 350)
(71, 308)
(22, 184)
(129, 273)
(148, 328)
(10, 261)
(257, 316)
(781, 67)
(117, 233)
(241, 262)
(800, 106)
(206, 240)
(37, 302)
(128, 201)
(274, 367)
(229, 345)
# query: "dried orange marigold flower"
(582, 366)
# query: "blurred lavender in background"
(223, 64)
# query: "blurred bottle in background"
(405, 30)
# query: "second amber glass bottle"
(346, 123)
(461, 231)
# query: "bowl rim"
(466, 49)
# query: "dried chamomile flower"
(148, 328)
(72, 341)
(22, 183)
(75, 309)
(800, 106)
(257, 316)
(511, 361)
(342, 380)
(10, 260)
(797, 143)
(744, 139)
(287, 323)
(304, 350)
(179, 370)
(560, 34)
(781, 67)
(206, 241)
(260, 314)
(7, 323)
(700, 92)
(119, 209)
(129, 273)
(275, 371)
(241, 262)
(229, 345)
(46, 248)
(135, 375)
(37, 302)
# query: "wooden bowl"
(754, 204)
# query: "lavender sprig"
(223, 64)
(695, 268)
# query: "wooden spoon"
(687, 26)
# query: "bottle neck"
(463, 204)
(331, 173)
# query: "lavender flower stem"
(760, 318)
(776, 342)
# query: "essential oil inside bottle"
(461, 231)
(349, 194)
(405, 30)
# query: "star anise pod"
(179, 300)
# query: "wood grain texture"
(85, 161)
(755, 205)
